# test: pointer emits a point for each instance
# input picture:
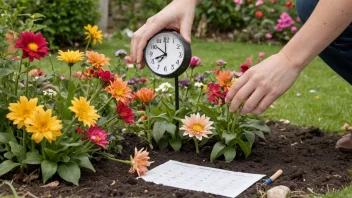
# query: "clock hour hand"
(159, 56)
(161, 59)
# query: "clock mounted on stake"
(167, 54)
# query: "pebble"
(278, 192)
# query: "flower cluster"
(284, 21)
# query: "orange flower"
(119, 90)
(96, 59)
(140, 162)
(145, 95)
(225, 79)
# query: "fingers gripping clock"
(167, 54)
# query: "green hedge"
(65, 19)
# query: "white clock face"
(164, 53)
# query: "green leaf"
(8, 155)
(7, 137)
(159, 130)
(256, 124)
(48, 169)
(7, 166)
(217, 151)
(245, 146)
(37, 15)
(207, 111)
(170, 128)
(64, 158)
(259, 133)
(175, 144)
(33, 158)
(163, 143)
(228, 137)
(70, 172)
(230, 154)
(250, 137)
(51, 155)
(6, 71)
(84, 161)
(18, 151)
(71, 144)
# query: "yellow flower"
(93, 33)
(70, 57)
(119, 90)
(96, 59)
(197, 126)
(41, 124)
(22, 110)
(85, 113)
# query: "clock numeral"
(178, 46)
(173, 40)
(153, 47)
(150, 53)
(158, 40)
(152, 61)
(178, 62)
(166, 39)
(165, 68)
(158, 67)
(172, 67)
(180, 55)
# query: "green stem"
(18, 76)
(88, 44)
(33, 145)
(27, 82)
(101, 108)
(69, 78)
(235, 120)
(24, 141)
(111, 119)
(52, 66)
(196, 143)
(117, 160)
(95, 94)
(64, 133)
(190, 80)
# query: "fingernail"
(232, 110)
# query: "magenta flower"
(268, 36)
(284, 21)
(238, 1)
(249, 61)
(293, 29)
(195, 62)
(97, 136)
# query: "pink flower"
(268, 36)
(293, 29)
(97, 136)
(197, 126)
(259, 14)
(284, 21)
(220, 63)
(259, 2)
(140, 162)
(298, 20)
(249, 61)
(195, 62)
(244, 67)
(261, 54)
(238, 1)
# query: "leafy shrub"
(64, 18)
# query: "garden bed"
(306, 155)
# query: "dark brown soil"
(306, 155)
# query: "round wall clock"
(167, 54)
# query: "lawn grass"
(328, 107)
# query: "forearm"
(327, 22)
(195, 2)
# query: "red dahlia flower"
(125, 113)
(32, 45)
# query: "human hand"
(178, 15)
(261, 85)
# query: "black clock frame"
(186, 60)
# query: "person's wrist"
(195, 2)
(290, 61)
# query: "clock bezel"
(186, 60)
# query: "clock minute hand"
(161, 50)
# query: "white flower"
(49, 92)
(37, 77)
(130, 66)
(198, 84)
(164, 87)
